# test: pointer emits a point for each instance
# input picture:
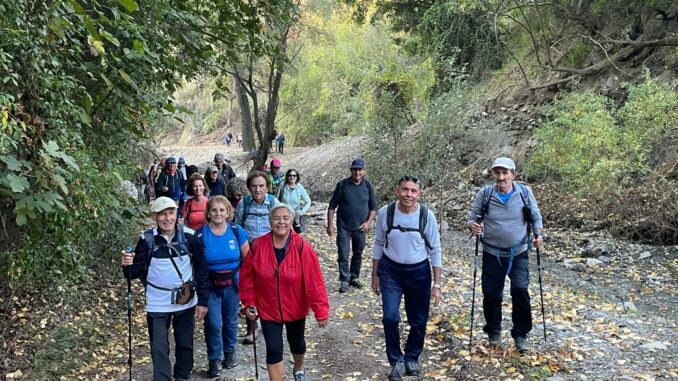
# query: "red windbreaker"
(284, 292)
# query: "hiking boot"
(494, 339)
(412, 368)
(355, 282)
(522, 345)
(229, 360)
(343, 287)
(214, 368)
(397, 372)
(299, 375)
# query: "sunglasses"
(408, 178)
(292, 175)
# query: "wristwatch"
(436, 285)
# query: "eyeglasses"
(408, 178)
(292, 175)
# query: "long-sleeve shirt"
(504, 225)
(407, 247)
(296, 197)
(255, 222)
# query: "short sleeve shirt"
(353, 202)
(222, 252)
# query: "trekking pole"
(473, 297)
(129, 315)
(541, 293)
(253, 310)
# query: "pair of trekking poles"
(129, 325)
(473, 300)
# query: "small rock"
(555, 378)
(644, 255)
(484, 114)
(603, 250)
(593, 262)
(654, 346)
(604, 258)
(579, 267)
(456, 207)
(630, 306)
(485, 172)
(461, 186)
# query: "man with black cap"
(506, 215)
(169, 181)
(225, 171)
(170, 262)
(356, 200)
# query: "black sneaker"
(522, 345)
(356, 283)
(412, 368)
(397, 372)
(494, 339)
(214, 368)
(229, 360)
(343, 287)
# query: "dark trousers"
(494, 274)
(413, 281)
(347, 240)
(273, 336)
(158, 329)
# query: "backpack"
(423, 219)
(487, 197)
(180, 246)
(248, 200)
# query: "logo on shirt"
(231, 244)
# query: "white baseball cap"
(162, 203)
(504, 162)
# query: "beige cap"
(162, 203)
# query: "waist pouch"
(184, 293)
(222, 278)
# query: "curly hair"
(236, 185)
(196, 177)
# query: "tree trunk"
(247, 134)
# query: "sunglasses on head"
(408, 178)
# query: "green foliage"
(576, 56)
(332, 89)
(460, 38)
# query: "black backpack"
(423, 219)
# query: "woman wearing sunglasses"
(293, 194)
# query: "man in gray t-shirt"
(356, 202)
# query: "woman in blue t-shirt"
(225, 247)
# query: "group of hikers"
(214, 255)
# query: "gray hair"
(290, 211)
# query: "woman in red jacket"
(282, 280)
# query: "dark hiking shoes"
(412, 368)
(522, 345)
(356, 283)
(397, 372)
(300, 375)
(248, 340)
(343, 287)
(214, 368)
(229, 360)
(494, 339)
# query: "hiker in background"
(275, 177)
(293, 194)
(252, 214)
(190, 170)
(356, 200)
(401, 267)
(281, 143)
(282, 280)
(195, 206)
(214, 182)
(500, 215)
(153, 174)
(239, 139)
(224, 170)
(236, 189)
(169, 181)
(225, 247)
(166, 258)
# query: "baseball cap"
(219, 157)
(275, 163)
(170, 160)
(213, 168)
(358, 164)
(182, 160)
(162, 203)
(504, 162)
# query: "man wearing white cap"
(506, 215)
(171, 264)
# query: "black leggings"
(273, 336)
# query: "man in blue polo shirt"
(356, 200)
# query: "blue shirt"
(221, 251)
(256, 224)
(504, 197)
